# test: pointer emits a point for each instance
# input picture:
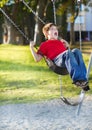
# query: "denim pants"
(73, 61)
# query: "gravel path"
(48, 115)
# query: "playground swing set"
(58, 70)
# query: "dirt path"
(48, 115)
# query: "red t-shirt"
(51, 48)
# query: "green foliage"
(70, 6)
(2, 3)
(23, 80)
(62, 8)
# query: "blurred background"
(21, 21)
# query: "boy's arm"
(37, 57)
(65, 43)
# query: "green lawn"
(23, 80)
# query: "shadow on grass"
(6, 65)
(28, 83)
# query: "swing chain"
(54, 10)
(89, 65)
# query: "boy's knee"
(76, 50)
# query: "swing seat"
(55, 68)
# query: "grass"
(22, 80)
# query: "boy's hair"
(46, 27)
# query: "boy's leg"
(83, 83)
(78, 55)
(72, 66)
(68, 58)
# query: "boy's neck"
(52, 39)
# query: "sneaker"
(81, 83)
(86, 88)
(77, 83)
(84, 83)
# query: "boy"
(57, 50)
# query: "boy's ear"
(46, 35)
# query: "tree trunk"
(5, 34)
(15, 36)
(10, 33)
(72, 34)
(64, 26)
(38, 36)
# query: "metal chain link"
(54, 10)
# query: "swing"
(51, 64)
(55, 68)
(89, 65)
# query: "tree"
(69, 6)
(38, 36)
(30, 24)
(22, 18)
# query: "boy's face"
(52, 32)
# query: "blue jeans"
(73, 61)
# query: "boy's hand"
(65, 43)
(32, 43)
